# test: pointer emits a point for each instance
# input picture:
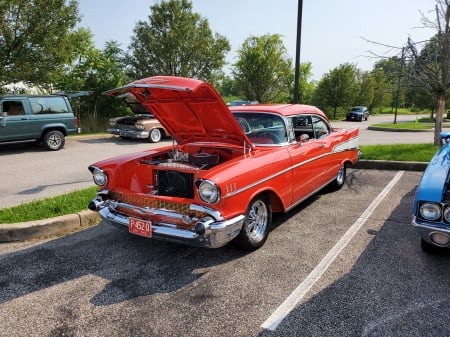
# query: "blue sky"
(333, 32)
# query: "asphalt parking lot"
(346, 263)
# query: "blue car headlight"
(447, 213)
(430, 211)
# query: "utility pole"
(397, 95)
(297, 54)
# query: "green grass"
(406, 125)
(399, 152)
(78, 200)
(68, 203)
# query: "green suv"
(45, 119)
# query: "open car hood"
(191, 110)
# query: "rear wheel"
(54, 140)
(155, 135)
(339, 181)
(258, 220)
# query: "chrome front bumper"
(211, 231)
(427, 230)
(129, 133)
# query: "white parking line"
(289, 304)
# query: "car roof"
(281, 109)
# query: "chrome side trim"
(256, 183)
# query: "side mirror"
(304, 138)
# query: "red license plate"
(140, 227)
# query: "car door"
(13, 120)
(308, 155)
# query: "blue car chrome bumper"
(427, 231)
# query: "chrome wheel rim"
(54, 141)
(155, 135)
(341, 175)
(257, 221)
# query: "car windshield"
(358, 109)
(262, 128)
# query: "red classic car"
(227, 170)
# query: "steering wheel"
(244, 125)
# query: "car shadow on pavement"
(19, 148)
(392, 289)
(134, 266)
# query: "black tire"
(54, 140)
(430, 248)
(339, 181)
(257, 223)
(155, 135)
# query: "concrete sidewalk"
(66, 224)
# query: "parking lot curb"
(65, 224)
(390, 165)
(40, 229)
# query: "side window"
(303, 126)
(48, 105)
(12, 108)
(321, 128)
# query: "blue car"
(431, 210)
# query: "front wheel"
(258, 220)
(54, 140)
(155, 135)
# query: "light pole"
(297, 53)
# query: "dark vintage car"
(237, 103)
(142, 125)
(227, 171)
(358, 113)
(431, 208)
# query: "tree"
(338, 88)
(306, 84)
(264, 70)
(175, 41)
(96, 71)
(382, 94)
(33, 38)
(367, 87)
(431, 67)
(395, 69)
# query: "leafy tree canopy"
(337, 88)
(176, 41)
(33, 38)
(263, 71)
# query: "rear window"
(48, 105)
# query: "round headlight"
(430, 211)
(100, 177)
(208, 192)
(447, 213)
(139, 126)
